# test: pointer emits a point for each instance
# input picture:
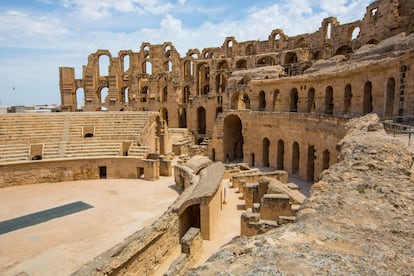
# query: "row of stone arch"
(296, 99)
(233, 149)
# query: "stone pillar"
(151, 169)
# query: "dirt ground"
(62, 245)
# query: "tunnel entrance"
(190, 217)
(233, 138)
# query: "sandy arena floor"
(62, 245)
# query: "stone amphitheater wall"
(319, 133)
(41, 171)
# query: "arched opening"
(190, 217)
(233, 138)
(367, 101)
(329, 104)
(220, 83)
(317, 55)
(229, 48)
(250, 50)
(291, 57)
(201, 120)
(294, 98)
(295, 158)
(265, 61)
(355, 33)
(125, 63)
(262, 100)
(326, 159)
(389, 99)
(280, 155)
(347, 99)
(167, 51)
(265, 153)
(182, 117)
(328, 30)
(124, 98)
(311, 100)
(344, 50)
(188, 69)
(103, 93)
(104, 63)
(276, 100)
(241, 64)
(218, 111)
(246, 101)
(88, 135)
(164, 114)
(204, 79)
(80, 98)
(148, 68)
(310, 174)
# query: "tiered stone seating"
(62, 134)
(30, 128)
(92, 148)
(14, 152)
(138, 151)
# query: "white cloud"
(97, 9)
(18, 29)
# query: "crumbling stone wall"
(157, 78)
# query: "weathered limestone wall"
(210, 210)
(75, 169)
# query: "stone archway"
(190, 217)
(233, 138)
(201, 120)
(280, 154)
(367, 101)
(182, 117)
(310, 175)
(389, 99)
(295, 158)
(265, 153)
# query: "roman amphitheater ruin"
(245, 117)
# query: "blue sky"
(38, 36)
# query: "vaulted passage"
(189, 218)
(233, 138)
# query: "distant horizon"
(37, 37)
